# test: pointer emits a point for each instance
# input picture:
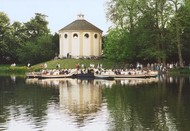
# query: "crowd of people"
(137, 68)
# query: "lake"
(161, 103)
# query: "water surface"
(73, 105)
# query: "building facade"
(80, 39)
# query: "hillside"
(71, 63)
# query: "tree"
(185, 34)
(180, 34)
(37, 26)
(39, 45)
(113, 48)
(56, 44)
(177, 28)
(146, 34)
(37, 51)
(123, 13)
(162, 11)
(150, 27)
(17, 39)
(5, 32)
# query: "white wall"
(66, 45)
(91, 46)
(75, 49)
(96, 45)
(86, 44)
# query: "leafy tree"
(37, 26)
(162, 10)
(123, 13)
(179, 35)
(185, 34)
(112, 48)
(56, 43)
(146, 33)
(177, 29)
(5, 32)
(17, 39)
(37, 51)
(149, 30)
(39, 45)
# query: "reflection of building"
(80, 97)
(80, 39)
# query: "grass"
(65, 63)
(71, 63)
(179, 71)
(7, 69)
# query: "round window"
(86, 35)
(75, 35)
(96, 36)
(65, 35)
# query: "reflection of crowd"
(135, 82)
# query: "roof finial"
(80, 16)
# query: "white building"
(80, 39)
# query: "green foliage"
(115, 48)
(145, 45)
(26, 42)
(37, 51)
(180, 71)
(56, 43)
(7, 69)
(149, 31)
(5, 32)
(37, 26)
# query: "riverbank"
(71, 63)
(64, 64)
(180, 71)
(7, 69)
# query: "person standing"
(45, 65)
(58, 66)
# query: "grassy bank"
(180, 71)
(71, 63)
(65, 63)
(7, 69)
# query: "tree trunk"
(178, 42)
(179, 45)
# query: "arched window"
(75, 35)
(86, 35)
(65, 36)
(96, 36)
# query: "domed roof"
(81, 24)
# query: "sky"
(60, 12)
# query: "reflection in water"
(13, 78)
(71, 104)
(82, 98)
(136, 81)
(21, 105)
(156, 106)
(95, 82)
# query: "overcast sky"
(60, 12)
